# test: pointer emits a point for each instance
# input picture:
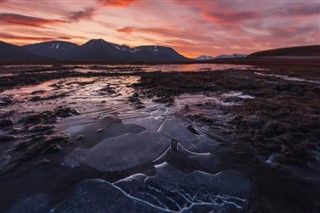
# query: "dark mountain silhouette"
(100, 50)
(51, 49)
(94, 50)
(289, 52)
(156, 54)
(13, 52)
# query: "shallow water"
(99, 68)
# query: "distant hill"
(204, 58)
(93, 50)
(13, 52)
(208, 58)
(231, 56)
(289, 52)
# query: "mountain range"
(207, 57)
(236, 55)
(204, 58)
(93, 50)
(103, 51)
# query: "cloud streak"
(311, 9)
(230, 17)
(85, 14)
(22, 20)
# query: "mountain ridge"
(296, 51)
(101, 50)
(12, 52)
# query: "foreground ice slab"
(120, 153)
(92, 196)
(168, 191)
(34, 204)
(206, 160)
(136, 149)
(173, 190)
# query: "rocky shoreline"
(265, 124)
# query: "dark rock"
(193, 130)
(6, 123)
(5, 101)
(7, 138)
(38, 92)
(53, 149)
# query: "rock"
(193, 130)
(38, 92)
(53, 149)
(80, 137)
(43, 161)
(7, 138)
(45, 129)
(5, 101)
(6, 123)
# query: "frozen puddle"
(168, 191)
(288, 78)
(156, 129)
(119, 153)
(136, 149)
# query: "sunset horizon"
(192, 28)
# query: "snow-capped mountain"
(101, 50)
(207, 58)
(231, 56)
(204, 58)
(51, 49)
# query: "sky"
(191, 27)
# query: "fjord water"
(94, 144)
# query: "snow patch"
(118, 48)
(135, 50)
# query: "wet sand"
(242, 139)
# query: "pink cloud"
(86, 14)
(22, 20)
(127, 30)
(229, 17)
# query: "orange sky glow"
(192, 27)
